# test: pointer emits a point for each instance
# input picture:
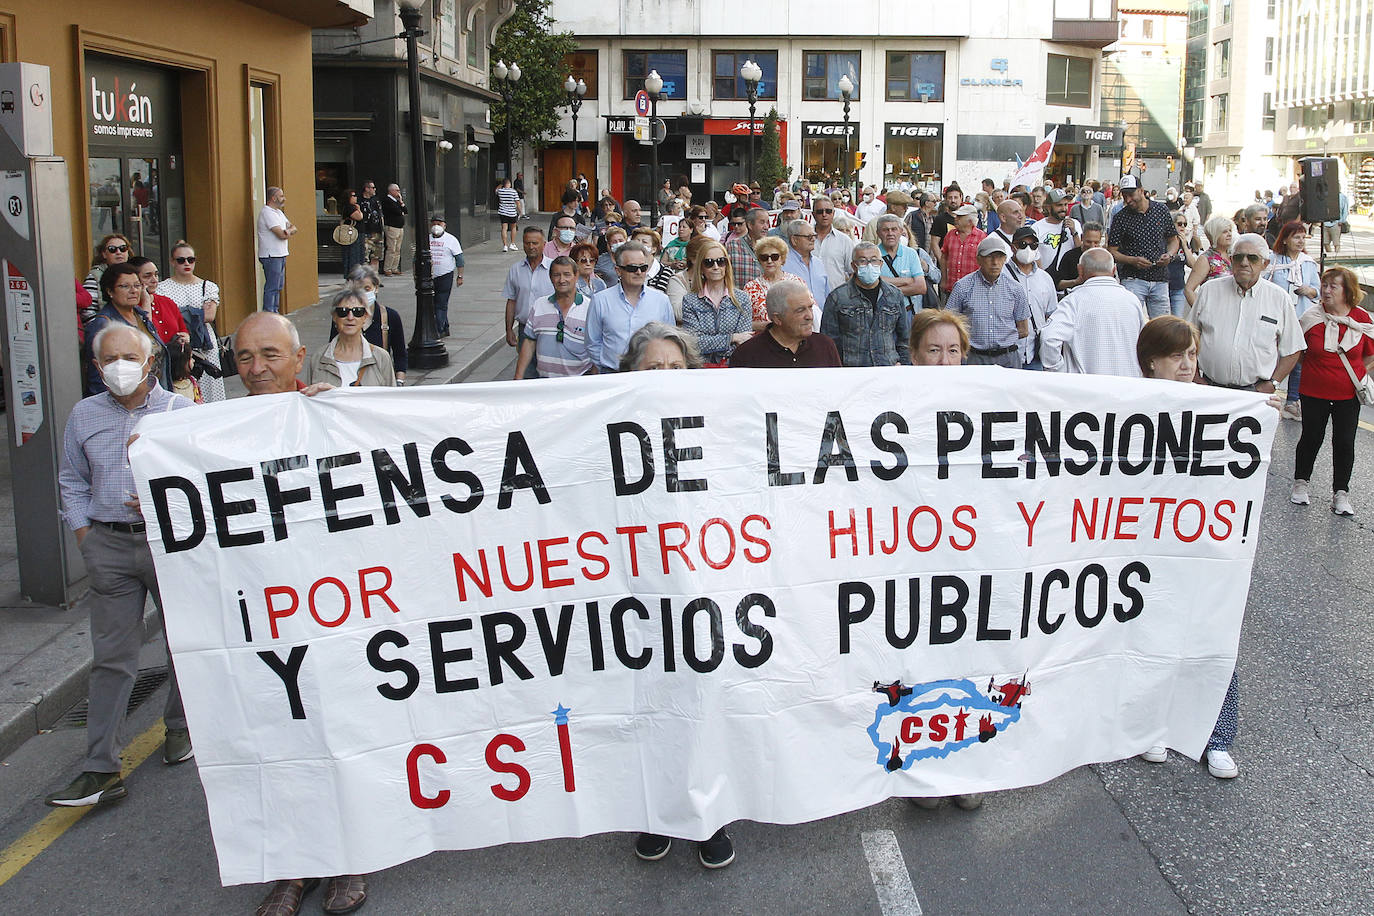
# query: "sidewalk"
(45, 652)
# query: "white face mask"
(566, 235)
(1025, 255)
(615, 246)
(123, 376)
(436, 231)
(371, 295)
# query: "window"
(1273, 9)
(1362, 116)
(1220, 104)
(477, 40)
(1147, 28)
(1269, 56)
(1225, 11)
(671, 66)
(822, 71)
(1268, 122)
(582, 66)
(916, 76)
(1068, 81)
(1198, 13)
(1192, 121)
(1221, 60)
(728, 84)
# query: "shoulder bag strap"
(385, 329)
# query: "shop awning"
(343, 120)
(319, 14)
(480, 135)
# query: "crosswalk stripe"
(891, 879)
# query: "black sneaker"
(89, 789)
(718, 851)
(651, 847)
(177, 747)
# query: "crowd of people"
(1091, 280)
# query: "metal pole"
(575, 106)
(753, 100)
(425, 351)
(849, 143)
(653, 141)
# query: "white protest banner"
(447, 618)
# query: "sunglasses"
(586, 260)
(633, 268)
(1028, 244)
(822, 212)
(185, 260)
(116, 249)
(343, 310)
(714, 262)
(1247, 256)
(770, 257)
(735, 224)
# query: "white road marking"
(891, 879)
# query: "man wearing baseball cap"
(1057, 232)
(790, 210)
(1143, 240)
(995, 305)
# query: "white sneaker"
(1157, 753)
(1292, 410)
(505, 248)
(1221, 765)
(1301, 495)
(1341, 504)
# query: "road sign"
(641, 103)
(642, 129)
(660, 130)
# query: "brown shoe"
(284, 899)
(345, 893)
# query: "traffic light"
(1171, 163)
(859, 160)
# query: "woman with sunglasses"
(555, 337)
(112, 249)
(1179, 265)
(385, 330)
(349, 360)
(351, 214)
(584, 256)
(720, 314)
(198, 301)
(772, 254)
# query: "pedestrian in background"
(198, 301)
(508, 209)
(446, 256)
(374, 237)
(274, 231)
(1143, 239)
(584, 256)
(394, 212)
(111, 249)
(1215, 260)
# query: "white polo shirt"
(1243, 334)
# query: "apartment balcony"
(1087, 23)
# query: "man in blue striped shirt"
(996, 307)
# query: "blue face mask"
(868, 274)
(566, 235)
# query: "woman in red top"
(163, 312)
(1326, 387)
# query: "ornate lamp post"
(653, 84)
(846, 86)
(425, 350)
(752, 73)
(506, 78)
(576, 90)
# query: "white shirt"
(1043, 299)
(1094, 330)
(1055, 241)
(1243, 334)
(837, 251)
(348, 371)
(443, 252)
(269, 244)
(867, 210)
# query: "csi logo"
(927, 130)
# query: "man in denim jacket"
(867, 316)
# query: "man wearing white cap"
(996, 307)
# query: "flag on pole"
(1029, 172)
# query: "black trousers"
(1345, 419)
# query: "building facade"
(1142, 82)
(363, 120)
(1324, 98)
(1228, 99)
(174, 122)
(950, 92)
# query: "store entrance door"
(135, 167)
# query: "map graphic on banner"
(1028, 173)
(455, 617)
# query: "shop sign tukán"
(126, 102)
(118, 109)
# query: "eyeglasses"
(1247, 256)
(770, 257)
(869, 262)
(185, 260)
(714, 262)
(343, 310)
(128, 288)
(1028, 243)
(633, 268)
(116, 249)
(804, 235)
(735, 224)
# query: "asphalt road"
(1290, 835)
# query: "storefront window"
(729, 85)
(914, 161)
(1068, 81)
(582, 66)
(915, 76)
(671, 66)
(823, 70)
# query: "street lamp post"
(752, 73)
(506, 78)
(1123, 125)
(576, 90)
(846, 86)
(653, 84)
(425, 350)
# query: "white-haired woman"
(1216, 260)
(349, 360)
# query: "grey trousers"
(120, 567)
(1010, 360)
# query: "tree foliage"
(770, 169)
(528, 38)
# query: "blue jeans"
(1178, 302)
(443, 288)
(274, 278)
(1291, 384)
(1153, 294)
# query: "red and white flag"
(1030, 171)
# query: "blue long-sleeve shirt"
(613, 318)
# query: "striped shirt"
(554, 357)
(992, 309)
(743, 262)
(508, 200)
(95, 479)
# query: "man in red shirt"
(960, 247)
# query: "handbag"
(345, 234)
(1364, 387)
